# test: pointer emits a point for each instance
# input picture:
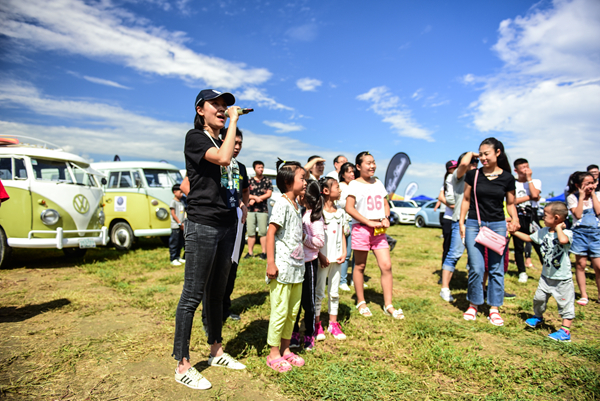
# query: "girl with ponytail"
(494, 184)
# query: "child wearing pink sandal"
(332, 255)
(285, 266)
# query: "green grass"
(432, 354)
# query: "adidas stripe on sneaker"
(225, 361)
(193, 379)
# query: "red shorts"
(364, 240)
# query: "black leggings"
(447, 232)
(308, 298)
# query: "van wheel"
(74, 253)
(165, 240)
(121, 236)
(420, 222)
(5, 250)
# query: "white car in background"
(406, 210)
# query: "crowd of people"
(320, 220)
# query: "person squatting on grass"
(285, 266)
(556, 280)
(586, 228)
(494, 183)
(210, 231)
(331, 256)
(367, 205)
(313, 228)
(466, 162)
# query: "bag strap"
(475, 194)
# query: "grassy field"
(101, 328)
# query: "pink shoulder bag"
(487, 237)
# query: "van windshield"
(51, 170)
(162, 178)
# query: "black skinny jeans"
(208, 261)
(519, 245)
(447, 232)
(309, 286)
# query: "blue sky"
(429, 78)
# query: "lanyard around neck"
(228, 168)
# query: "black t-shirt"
(207, 200)
(243, 176)
(490, 195)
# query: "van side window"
(125, 181)
(113, 180)
(6, 168)
(136, 177)
(20, 170)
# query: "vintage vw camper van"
(55, 201)
(137, 196)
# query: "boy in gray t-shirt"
(557, 279)
(177, 216)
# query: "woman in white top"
(367, 204)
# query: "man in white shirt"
(338, 162)
(527, 193)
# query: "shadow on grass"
(253, 335)
(53, 258)
(371, 296)
(247, 301)
(14, 314)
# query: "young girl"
(367, 205)
(586, 228)
(285, 266)
(345, 176)
(494, 184)
(313, 228)
(332, 255)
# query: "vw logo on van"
(81, 204)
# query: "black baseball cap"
(208, 94)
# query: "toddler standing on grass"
(332, 256)
(556, 279)
(285, 266)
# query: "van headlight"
(101, 217)
(162, 213)
(50, 217)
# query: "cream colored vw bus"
(55, 201)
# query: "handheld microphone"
(240, 111)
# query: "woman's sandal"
(583, 301)
(495, 319)
(279, 365)
(397, 314)
(366, 312)
(294, 359)
(470, 314)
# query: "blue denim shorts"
(586, 242)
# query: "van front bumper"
(59, 241)
(152, 232)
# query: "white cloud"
(101, 31)
(260, 97)
(106, 82)
(303, 33)
(547, 96)
(107, 129)
(284, 127)
(394, 113)
(308, 84)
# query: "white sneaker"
(175, 263)
(181, 260)
(365, 285)
(446, 295)
(193, 379)
(344, 287)
(523, 277)
(226, 361)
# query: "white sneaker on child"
(225, 360)
(446, 295)
(175, 263)
(193, 379)
(523, 277)
(344, 287)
